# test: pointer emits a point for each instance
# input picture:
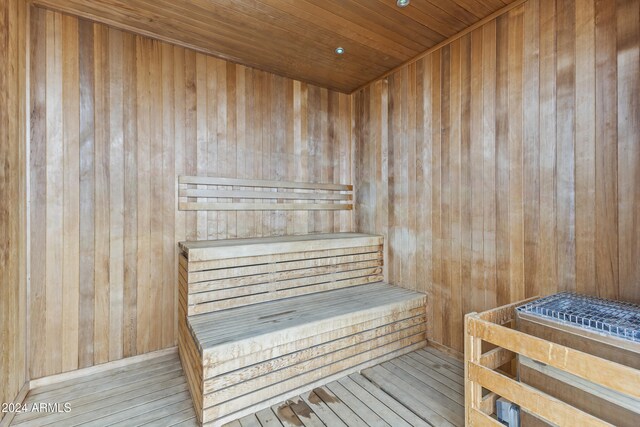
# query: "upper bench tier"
(204, 250)
(223, 274)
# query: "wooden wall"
(507, 163)
(115, 119)
(13, 283)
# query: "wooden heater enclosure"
(564, 375)
(616, 408)
(493, 144)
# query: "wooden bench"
(262, 320)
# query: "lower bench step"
(234, 378)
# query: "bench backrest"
(222, 274)
(206, 193)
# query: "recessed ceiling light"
(403, 3)
(339, 50)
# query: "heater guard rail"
(480, 371)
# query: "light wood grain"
(300, 246)
(394, 321)
(210, 180)
(140, 390)
(100, 302)
(152, 389)
(401, 329)
(615, 408)
(71, 229)
(530, 189)
(14, 34)
(116, 119)
(87, 189)
(37, 172)
(54, 194)
(116, 195)
(616, 376)
(315, 379)
(480, 419)
(204, 206)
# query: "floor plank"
(249, 421)
(341, 409)
(184, 419)
(449, 378)
(156, 416)
(190, 422)
(115, 414)
(268, 419)
(444, 356)
(404, 412)
(456, 396)
(456, 384)
(322, 410)
(137, 394)
(406, 395)
(449, 371)
(444, 406)
(304, 413)
(159, 362)
(363, 411)
(79, 395)
(374, 404)
(285, 414)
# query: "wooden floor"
(150, 393)
(422, 388)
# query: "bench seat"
(242, 359)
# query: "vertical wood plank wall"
(115, 119)
(507, 163)
(13, 283)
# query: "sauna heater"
(604, 328)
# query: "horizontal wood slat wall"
(13, 283)
(116, 118)
(507, 163)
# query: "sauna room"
(306, 213)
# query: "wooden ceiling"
(295, 38)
